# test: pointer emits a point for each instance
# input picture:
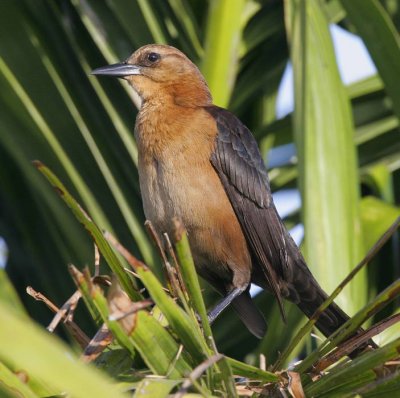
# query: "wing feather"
(240, 167)
(239, 164)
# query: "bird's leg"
(214, 313)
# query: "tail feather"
(250, 314)
(298, 285)
(330, 320)
(305, 291)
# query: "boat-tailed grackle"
(198, 162)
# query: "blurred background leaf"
(81, 127)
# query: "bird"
(200, 163)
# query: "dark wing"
(238, 162)
(241, 169)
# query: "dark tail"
(331, 319)
(310, 300)
(304, 290)
(250, 314)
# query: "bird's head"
(157, 71)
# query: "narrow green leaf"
(110, 108)
(384, 387)
(194, 291)
(333, 10)
(115, 362)
(152, 22)
(191, 30)
(83, 286)
(177, 318)
(93, 230)
(376, 217)
(8, 293)
(149, 332)
(87, 196)
(105, 169)
(336, 380)
(278, 335)
(49, 359)
(130, 18)
(223, 35)
(376, 128)
(245, 370)
(191, 280)
(379, 178)
(327, 158)
(374, 306)
(11, 383)
(95, 29)
(183, 325)
(103, 45)
(382, 40)
(365, 86)
(265, 23)
(351, 323)
(152, 387)
(146, 335)
(247, 87)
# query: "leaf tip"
(38, 164)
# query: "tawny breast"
(178, 180)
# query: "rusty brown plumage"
(198, 162)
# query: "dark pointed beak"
(117, 70)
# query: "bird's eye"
(153, 57)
